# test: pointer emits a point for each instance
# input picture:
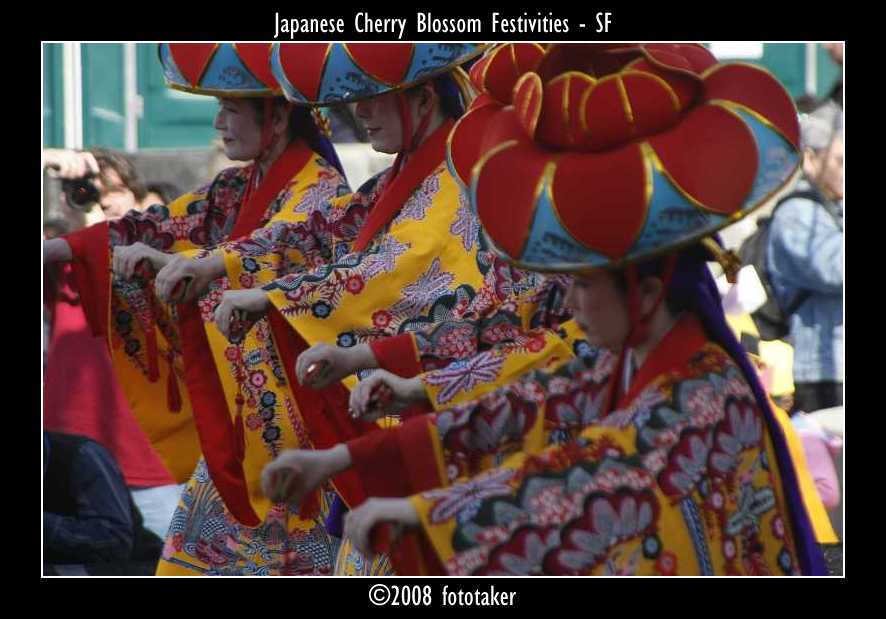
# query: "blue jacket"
(806, 253)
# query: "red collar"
(255, 203)
(674, 350)
(421, 163)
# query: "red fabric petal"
(192, 59)
(387, 62)
(303, 65)
(528, 102)
(509, 177)
(685, 87)
(464, 146)
(601, 198)
(652, 106)
(476, 70)
(605, 117)
(559, 124)
(257, 58)
(506, 65)
(712, 156)
(756, 89)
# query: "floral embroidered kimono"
(516, 322)
(204, 536)
(686, 475)
(425, 268)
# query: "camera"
(81, 193)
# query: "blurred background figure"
(806, 263)
(90, 524)
(80, 391)
(97, 177)
(836, 52)
(161, 192)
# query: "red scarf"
(221, 437)
(256, 203)
(419, 166)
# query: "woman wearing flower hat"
(293, 169)
(514, 322)
(661, 455)
(400, 253)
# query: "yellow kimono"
(146, 346)
(684, 476)
(417, 265)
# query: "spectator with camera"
(97, 177)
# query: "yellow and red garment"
(247, 413)
(415, 249)
(678, 479)
(141, 331)
(328, 270)
(515, 323)
(142, 338)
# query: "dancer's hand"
(382, 393)
(359, 522)
(127, 258)
(322, 365)
(297, 472)
(238, 307)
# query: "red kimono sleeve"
(397, 355)
(398, 462)
(90, 248)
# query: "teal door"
(53, 97)
(171, 119)
(104, 102)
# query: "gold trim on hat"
(568, 76)
(536, 79)
(625, 102)
(209, 58)
(326, 55)
(545, 184)
(732, 106)
(492, 54)
(222, 94)
(663, 82)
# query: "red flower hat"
(324, 73)
(594, 155)
(220, 69)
